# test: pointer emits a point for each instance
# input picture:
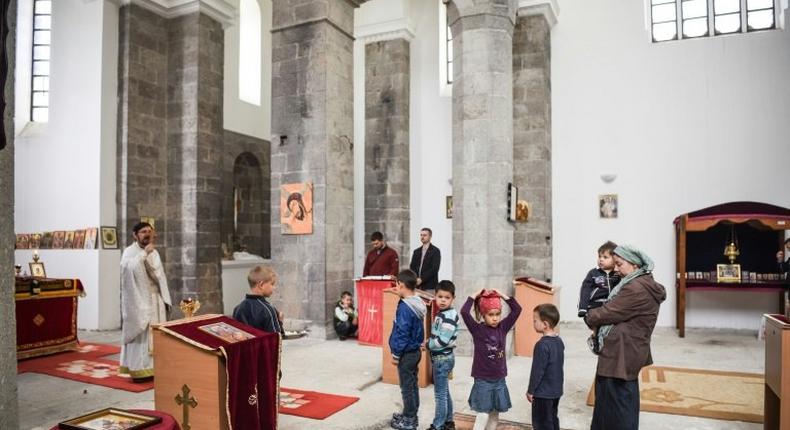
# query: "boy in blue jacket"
(405, 341)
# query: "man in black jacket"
(425, 261)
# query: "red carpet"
(312, 404)
(85, 365)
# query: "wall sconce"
(608, 177)
(283, 139)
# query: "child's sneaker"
(434, 428)
(449, 425)
(404, 423)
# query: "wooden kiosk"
(777, 373)
(530, 292)
(389, 373)
(701, 237)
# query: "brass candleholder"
(189, 307)
(731, 252)
(18, 269)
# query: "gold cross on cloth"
(186, 402)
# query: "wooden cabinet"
(700, 240)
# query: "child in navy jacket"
(405, 342)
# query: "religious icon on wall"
(58, 239)
(522, 211)
(68, 240)
(79, 239)
(46, 240)
(90, 237)
(109, 238)
(448, 206)
(296, 208)
(607, 205)
(728, 273)
(35, 241)
(150, 220)
(22, 241)
(226, 332)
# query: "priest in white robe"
(144, 301)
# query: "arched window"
(42, 29)
(250, 52)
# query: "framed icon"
(728, 272)
(109, 238)
(110, 418)
(37, 270)
(448, 206)
(607, 205)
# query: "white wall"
(429, 126)
(239, 116)
(684, 125)
(65, 170)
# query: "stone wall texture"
(532, 144)
(387, 190)
(9, 415)
(170, 153)
(247, 167)
(312, 104)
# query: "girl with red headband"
(489, 394)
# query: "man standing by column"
(144, 301)
(381, 260)
(425, 261)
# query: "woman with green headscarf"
(625, 323)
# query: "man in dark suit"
(425, 262)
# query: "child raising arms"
(489, 394)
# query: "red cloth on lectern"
(370, 303)
(253, 368)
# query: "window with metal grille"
(449, 48)
(42, 36)
(688, 19)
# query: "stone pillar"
(170, 142)
(194, 162)
(312, 104)
(9, 418)
(532, 140)
(482, 145)
(387, 143)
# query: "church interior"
(519, 134)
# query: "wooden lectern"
(777, 373)
(530, 292)
(389, 373)
(190, 383)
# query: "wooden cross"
(186, 402)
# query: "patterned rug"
(86, 364)
(312, 404)
(733, 396)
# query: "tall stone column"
(482, 144)
(387, 143)
(170, 138)
(532, 137)
(312, 123)
(9, 417)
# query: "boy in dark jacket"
(546, 377)
(599, 281)
(405, 341)
(255, 310)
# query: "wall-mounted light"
(283, 139)
(608, 177)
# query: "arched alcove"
(245, 218)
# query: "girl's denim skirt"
(489, 395)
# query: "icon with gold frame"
(728, 272)
(37, 269)
(109, 237)
(110, 418)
